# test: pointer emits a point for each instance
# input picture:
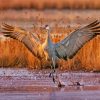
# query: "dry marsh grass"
(15, 54)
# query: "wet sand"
(22, 84)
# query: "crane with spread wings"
(65, 49)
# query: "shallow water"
(22, 84)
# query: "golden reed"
(15, 54)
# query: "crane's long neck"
(48, 37)
(48, 41)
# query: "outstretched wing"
(68, 47)
(27, 38)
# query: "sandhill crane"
(65, 49)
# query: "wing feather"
(75, 41)
(23, 36)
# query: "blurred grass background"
(58, 4)
(68, 16)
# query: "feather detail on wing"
(27, 38)
(68, 47)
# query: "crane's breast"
(48, 52)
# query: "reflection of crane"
(65, 49)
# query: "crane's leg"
(56, 78)
(52, 70)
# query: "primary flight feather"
(68, 47)
(26, 37)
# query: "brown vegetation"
(15, 54)
(42, 4)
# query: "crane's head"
(47, 27)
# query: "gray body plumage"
(50, 49)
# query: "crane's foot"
(56, 79)
(60, 85)
(53, 78)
